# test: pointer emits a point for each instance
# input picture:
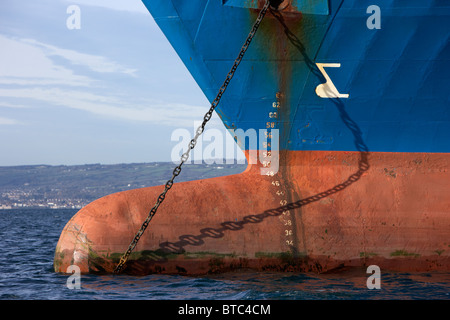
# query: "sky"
(111, 91)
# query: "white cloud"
(12, 105)
(93, 62)
(27, 62)
(6, 121)
(171, 114)
(24, 64)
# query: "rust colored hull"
(322, 210)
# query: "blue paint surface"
(397, 77)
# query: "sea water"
(28, 238)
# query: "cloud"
(29, 72)
(93, 62)
(171, 114)
(24, 64)
(6, 121)
(12, 105)
(28, 62)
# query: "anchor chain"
(193, 142)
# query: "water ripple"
(29, 238)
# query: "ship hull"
(323, 210)
(362, 168)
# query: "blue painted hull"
(396, 77)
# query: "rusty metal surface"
(391, 213)
(319, 7)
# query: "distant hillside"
(75, 186)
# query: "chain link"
(193, 142)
